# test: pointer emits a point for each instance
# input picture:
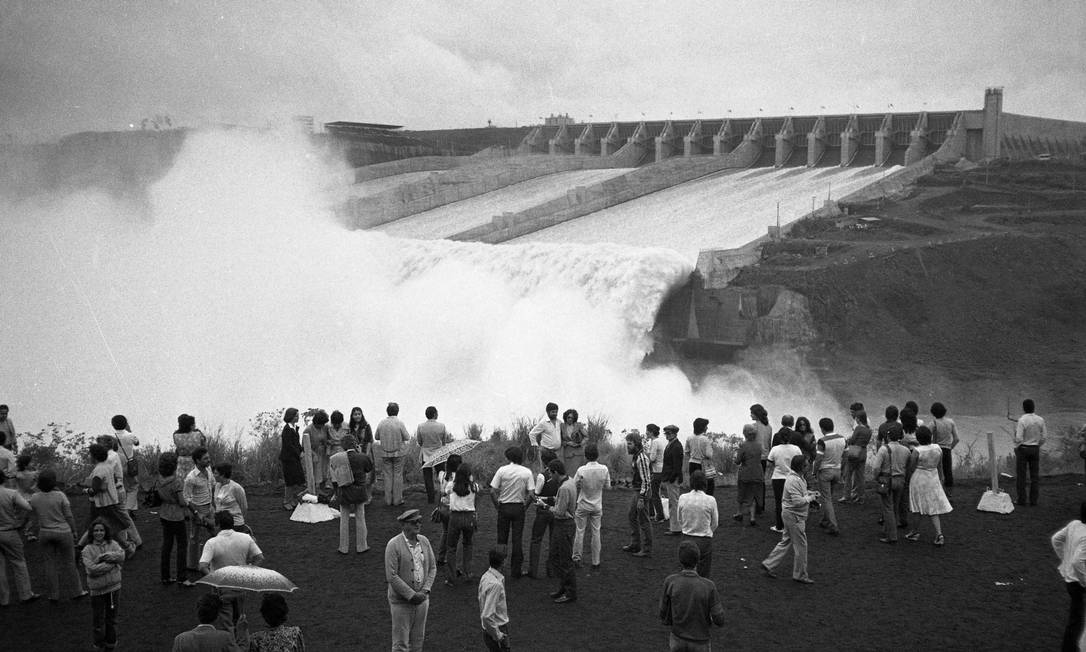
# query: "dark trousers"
(1074, 617)
(705, 553)
(511, 519)
(895, 507)
(443, 544)
(460, 524)
(640, 527)
(778, 496)
(173, 532)
(561, 555)
(540, 527)
(710, 483)
(494, 646)
(948, 468)
(104, 615)
(656, 506)
(428, 475)
(1027, 458)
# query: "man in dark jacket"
(672, 478)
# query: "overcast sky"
(74, 66)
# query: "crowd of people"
(558, 477)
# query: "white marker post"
(994, 500)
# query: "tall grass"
(253, 451)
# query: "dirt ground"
(994, 586)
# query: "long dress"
(926, 495)
(290, 455)
(184, 444)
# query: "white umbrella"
(248, 578)
(458, 447)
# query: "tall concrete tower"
(993, 110)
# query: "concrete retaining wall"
(460, 182)
(584, 200)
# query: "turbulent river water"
(232, 289)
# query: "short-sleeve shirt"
(229, 548)
(513, 482)
(781, 456)
(592, 478)
(108, 495)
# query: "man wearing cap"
(672, 477)
(410, 569)
(393, 437)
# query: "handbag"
(131, 464)
(853, 451)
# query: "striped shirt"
(642, 473)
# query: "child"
(751, 477)
(26, 483)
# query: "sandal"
(913, 536)
(939, 540)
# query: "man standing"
(199, 492)
(591, 479)
(890, 464)
(785, 435)
(546, 433)
(830, 450)
(126, 446)
(855, 462)
(7, 449)
(699, 518)
(796, 502)
(410, 569)
(671, 477)
(945, 434)
(230, 548)
(12, 508)
(392, 436)
(780, 456)
(205, 637)
(689, 604)
(493, 614)
(640, 528)
(546, 490)
(655, 446)
(431, 435)
(512, 494)
(562, 530)
(887, 427)
(1029, 436)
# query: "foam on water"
(234, 290)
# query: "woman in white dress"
(926, 495)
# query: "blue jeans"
(104, 618)
(1027, 458)
(640, 527)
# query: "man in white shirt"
(126, 446)
(654, 446)
(699, 518)
(198, 488)
(512, 486)
(546, 433)
(430, 436)
(230, 548)
(590, 480)
(780, 457)
(1029, 436)
(828, 454)
(493, 613)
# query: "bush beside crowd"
(254, 452)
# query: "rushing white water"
(234, 290)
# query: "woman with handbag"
(350, 471)
(462, 493)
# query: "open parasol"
(458, 447)
(248, 578)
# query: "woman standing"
(102, 558)
(171, 514)
(462, 492)
(760, 419)
(57, 533)
(574, 435)
(186, 439)
(314, 451)
(279, 637)
(230, 496)
(926, 496)
(126, 446)
(290, 456)
(349, 472)
(336, 433)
